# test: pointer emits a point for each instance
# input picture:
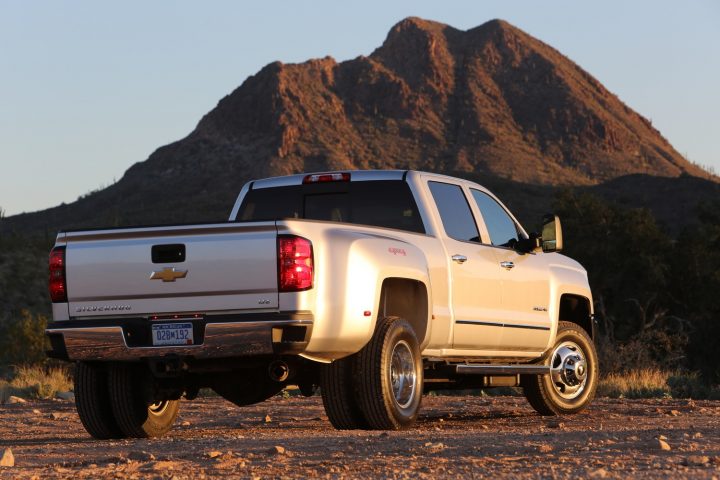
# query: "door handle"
(507, 265)
(459, 258)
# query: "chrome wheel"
(402, 374)
(568, 370)
(158, 408)
(573, 378)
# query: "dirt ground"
(456, 437)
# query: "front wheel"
(389, 376)
(573, 378)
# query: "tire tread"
(92, 401)
(369, 369)
(339, 396)
(129, 406)
(371, 376)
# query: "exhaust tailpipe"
(279, 371)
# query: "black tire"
(339, 396)
(393, 348)
(565, 393)
(92, 401)
(248, 387)
(137, 414)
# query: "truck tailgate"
(226, 267)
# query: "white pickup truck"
(375, 286)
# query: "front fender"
(567, 277)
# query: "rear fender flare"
(350, 289)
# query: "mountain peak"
(410, 36)
(498, 24)
(416, 23)
(492, 100)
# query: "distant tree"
(24, 302)
(626, 255)
(695, 286)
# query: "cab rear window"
(382, 203)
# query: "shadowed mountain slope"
(491, 101)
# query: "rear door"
(474, 284)
(190, 269)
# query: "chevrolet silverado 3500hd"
(375, 286)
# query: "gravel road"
(456, 437)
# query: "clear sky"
(89, 88)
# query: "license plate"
(172, 334)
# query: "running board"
(502, 369)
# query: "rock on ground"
(7, 459)
(66, 396)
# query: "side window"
(502, 229)
(454, 211)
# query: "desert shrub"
(22, 340)
(647, 350)
(691, 385)
(37, 382)
(23, 275)
(655, 383)
(44, 382)
(24, 303)
(7, 390)
(644, 383)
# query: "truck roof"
(355, 176)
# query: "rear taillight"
(57, 284)
(295, 263)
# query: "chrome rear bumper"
(221, 340)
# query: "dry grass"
(36, 382)
(645, 383)
(655, 383)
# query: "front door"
(524, 281)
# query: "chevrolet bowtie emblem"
(168, 274)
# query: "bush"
(37, 382)
(690, 385)
(23, 341)
(646, 383)
(655, 383)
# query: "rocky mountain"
(491, 101)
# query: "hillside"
(491, 101)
